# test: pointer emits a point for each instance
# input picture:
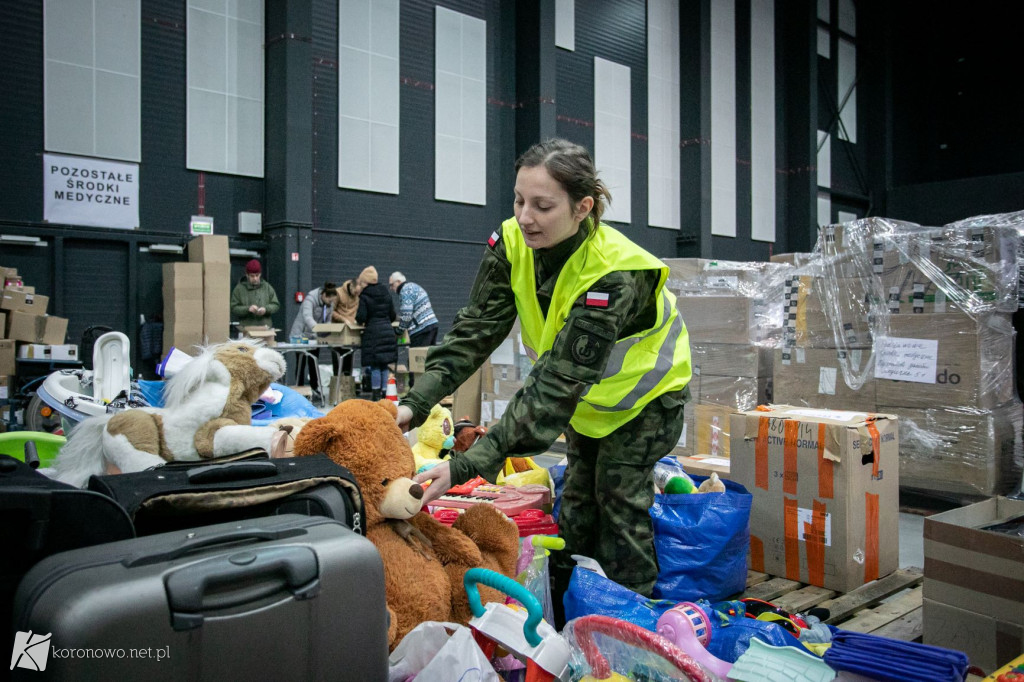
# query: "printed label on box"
(827, 380)
(905, 359)
(682, 437)
(499, 408)
(804, 518)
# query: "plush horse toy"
(207, 413)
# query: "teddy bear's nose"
(416, 490)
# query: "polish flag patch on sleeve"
(596, 299)
(493, 240)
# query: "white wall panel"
(663, 185)
(460, 101)
(762, 120)
(368, 95)
(565, 24)
(612, 136)
(225, 86)
(847, 77)
(723, 118)
(91, 78)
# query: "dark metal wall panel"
(21, 110)
(95, 285)
(615, 30)
(435, 243)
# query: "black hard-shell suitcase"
(181, 495)
(43, 517)
(287, 597)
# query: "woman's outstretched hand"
(440, 476)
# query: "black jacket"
(377, 311)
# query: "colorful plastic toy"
(524, 634)
(584, 629)
(688, 627)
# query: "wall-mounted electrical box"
(250, 222)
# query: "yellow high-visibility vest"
(641, 367)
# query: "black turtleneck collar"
(548, 262)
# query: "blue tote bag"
(701, 540)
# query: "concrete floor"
(911, 540)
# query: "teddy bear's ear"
(315, 436)
(390, 406)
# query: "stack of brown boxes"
(26, 330)
(913, 321)
(212, 252)
(732, 321)
(183, 306)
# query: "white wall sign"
(81, 191)
(906, 359)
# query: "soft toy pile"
(424, 560)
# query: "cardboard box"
(263, 334)
(33, 351)
(742, 393)
(216, 301)
(815, 378)
(960, 451)
(211, 248)
(705, 465)
(816, 306)
(796, 259)
(7, 362)
(3, 325)
(688, 436)
(338, 333)
(731, 359)
(712, 425)
(724, 319)
(973, 361)
(14, 299)
(45, 329)
(826, 493)
(64, 351)
(418, 359)
(466, 401)
(978, 573)
(9, 277)
(5, 387)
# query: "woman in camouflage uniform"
(612, 362)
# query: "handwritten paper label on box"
(905, 359)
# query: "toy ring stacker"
(523, 633)
(635, 635)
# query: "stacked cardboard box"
(733, 314)
(973, 601)
(212, 252)
(825, 488)
(911, 321)
(183, 306)
(23, 313)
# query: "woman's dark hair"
(571, 165)
(329, 289)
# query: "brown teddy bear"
(424, 560)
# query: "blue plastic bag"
(591, 593)
(701, 540)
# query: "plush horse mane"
(193, 375)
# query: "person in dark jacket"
(253, 300)
(379, 345)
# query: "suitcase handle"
(232, 471)
(188, 546)
(187, 587)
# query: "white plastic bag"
(440, 652)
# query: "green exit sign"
(201, 224)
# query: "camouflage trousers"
(609, 487)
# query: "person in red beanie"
(253, 300)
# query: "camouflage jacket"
(541, 410)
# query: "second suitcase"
(282, 598)
(182, 495)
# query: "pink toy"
(688, 627)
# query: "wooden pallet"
(889, 606)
